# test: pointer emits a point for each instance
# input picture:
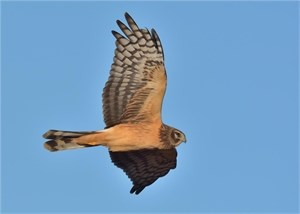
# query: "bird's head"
(176, 136)
(171, 136)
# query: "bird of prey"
(137, 139)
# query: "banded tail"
(64, 140)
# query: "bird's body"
(137, 139)
(122, 137)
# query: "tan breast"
(125, 137)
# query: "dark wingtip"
(132, 24)
(116, 34)
(127, 15)
(118, 22)
(132, 190)
(157, 41)
(136, 189)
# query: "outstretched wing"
(144, 167)
(137, 81)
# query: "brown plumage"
(137, 139)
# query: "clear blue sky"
(232, 88)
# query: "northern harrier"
(137, 139)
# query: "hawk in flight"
(137, 139)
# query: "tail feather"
(63, 140)
(53, 134)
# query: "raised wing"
(137, 81)
(144, 167)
